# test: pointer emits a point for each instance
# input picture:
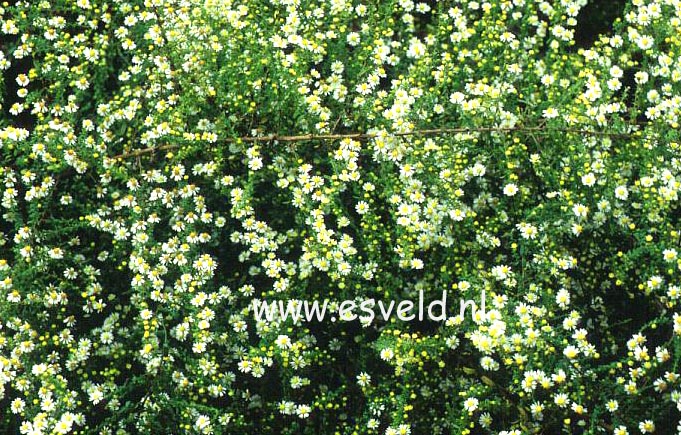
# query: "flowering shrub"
(164, 163)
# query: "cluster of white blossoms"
(163, 163)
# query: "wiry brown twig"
(367, 136)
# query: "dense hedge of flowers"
(141, 216)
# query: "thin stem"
(367, 136)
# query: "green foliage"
(152, 189)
